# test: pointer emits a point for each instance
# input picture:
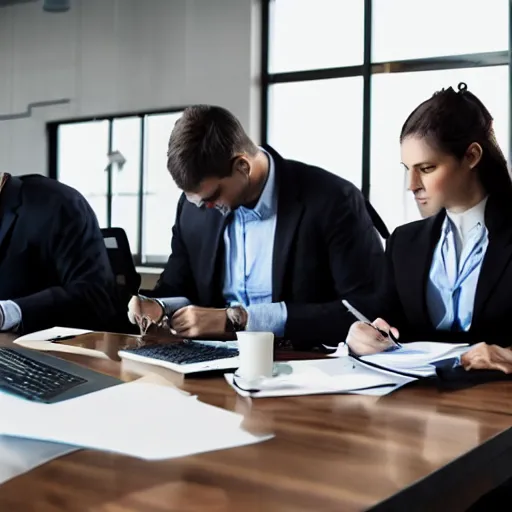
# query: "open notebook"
(378, 374)
(417, 359)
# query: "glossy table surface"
(416, 449)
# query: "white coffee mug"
(256, 354)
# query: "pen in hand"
(362, 318)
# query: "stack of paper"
(376, 374)
(143, 420)
(416, 358)
(320, 376)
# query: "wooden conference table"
(416, 449)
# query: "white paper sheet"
(142, 420)
(321, 376)
(18, 456)
(48, 334)
(416, 357)
(39, 341)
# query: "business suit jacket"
(53, 261)
(325, 249)
(410, 251)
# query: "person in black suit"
(450, 274)
(260, 242)
(54, 269)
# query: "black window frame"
(52, 134)
(367, 69)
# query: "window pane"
(82, 160)
(161, 195)
(319, 123)
(320, 34)
(126, 139)
(82, 157)
(126, 134)
(159, 220)
(388, 186)
(125, 214)
(406, 29)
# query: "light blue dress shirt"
(249, 244)
(10, 315)
(455, 269)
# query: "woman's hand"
(487, 357)
(363, 339)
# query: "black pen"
(362, 318)
(61, 338)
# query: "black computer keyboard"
(21, 375)
(185, 352)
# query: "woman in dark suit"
(450, 274)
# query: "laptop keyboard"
(31, 379)
(185, 352)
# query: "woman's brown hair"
(451, 121)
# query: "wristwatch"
(236, 319)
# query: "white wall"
(116, 56)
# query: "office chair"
(121, 261)
(378, 223)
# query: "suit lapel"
(497, 256)
(415, 267)
(10, 200)
(289, 213)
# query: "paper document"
(48, 334)
(320, 376)
(416, 358)
(18, 456)
(340, 350)
(40, 340)
(142, 420)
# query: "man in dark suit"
(260, 242)
(54, 268)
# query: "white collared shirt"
(464, 223)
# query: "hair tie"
(462, 87)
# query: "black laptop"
(45, 378)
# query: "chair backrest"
(121, 260)
(378, 223)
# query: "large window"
(119, 165)
(308, 34)
(340, 78)
(326, 115)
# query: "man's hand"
(487, 357)
(144, 311)
(194, 321)
(363, 339)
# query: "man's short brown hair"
(203, 143)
